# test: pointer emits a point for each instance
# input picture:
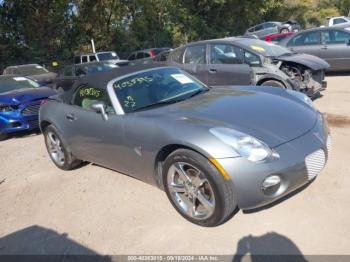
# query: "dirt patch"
(338, 120)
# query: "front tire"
(273, 83)
(284, 30)
(58, 151)
(196, 189)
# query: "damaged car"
(247, 61)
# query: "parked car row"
(218, 124)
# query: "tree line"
(41, 31)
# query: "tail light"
(153, 53)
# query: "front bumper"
(247, 177)
(23, 119)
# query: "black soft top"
(100, 80)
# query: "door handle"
(71, 117)
(212, 71)
(324, 47)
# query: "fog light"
(271, 185)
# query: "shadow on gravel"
(338, 120)
(36, 243)
(22, 134)
(268, 247)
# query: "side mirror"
(100, 107)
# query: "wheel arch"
(44, 124)
(164, 152)
(271, 78)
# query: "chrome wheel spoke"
(197, 181)
(209, 206)
(181, 172)
(52, 140)
(177, 188)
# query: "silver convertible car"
(212, 150)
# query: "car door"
(92, 138)
(336, 49)
(270, 28)
(306, 42)
(194, 61)
(226, 66)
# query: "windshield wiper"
(168, 102)
(198, 92)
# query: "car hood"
(25, 95)
(313, 62)
(273, 119)
(44, 78)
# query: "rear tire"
(197, 190)
(284, 30)
(59, 152)
(273, 83)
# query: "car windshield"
(12, 83)
(29, 70)
(265, 48)
(95, 68)
(107, 56)
(155, 88)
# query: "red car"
(276, 38)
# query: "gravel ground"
(94, 210)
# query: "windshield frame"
(247, 43)
(114, 98)
(116, 57)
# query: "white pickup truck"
(339, 21)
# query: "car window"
(225, 54)
(251, 59)
(176, 55)
(132, 57)
(341, 37)
(92, 58)
(337, 21)
(155, 87)
(146, 55)
(195, 54)
(77, 60)
(259, 27)
(85, 96)
(68, 71)
(84, 59)
(139, 55)
(311, 38)
(269, 25)
(326, 37)
(18, 82)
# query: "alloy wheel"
(54, 146)
(190, 190)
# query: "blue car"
(20, 100)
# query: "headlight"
(245, 145)
(301, 97)
(6, 108)
(347, 28)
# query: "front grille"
(315, 162)
(31, 110)
(33, 124)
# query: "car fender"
(286, 82)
